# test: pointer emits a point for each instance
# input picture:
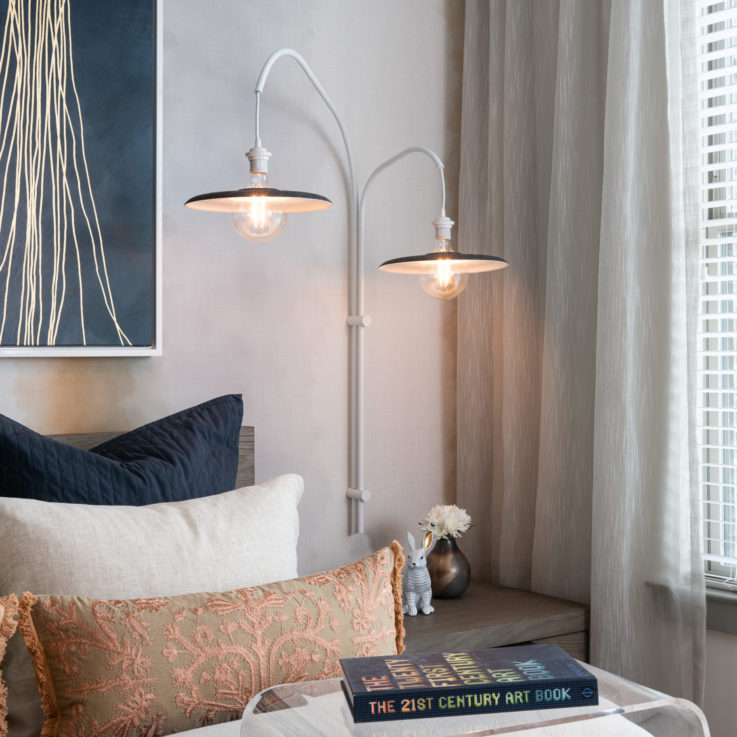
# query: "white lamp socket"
(258, 158)
(442, 227)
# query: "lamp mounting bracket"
(358, 321)
(361, 495)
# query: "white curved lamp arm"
(410, 150)
(362, 205)
(261, 82)
(356, 319)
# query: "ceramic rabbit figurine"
(417, 590)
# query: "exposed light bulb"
(254, 221)
(443, 282)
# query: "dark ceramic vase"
(450, 571)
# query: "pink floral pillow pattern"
(8, 611)
(158, 666)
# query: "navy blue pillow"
(190, 454)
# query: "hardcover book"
(422, 685)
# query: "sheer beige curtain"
(575, 365)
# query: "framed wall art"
(80, 178)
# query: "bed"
(161, 616)
(238, 535)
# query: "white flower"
(446, 520)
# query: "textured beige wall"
(269, 320)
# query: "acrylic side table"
(626, 709)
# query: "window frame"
(717, 333)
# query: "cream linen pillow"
(232, 540)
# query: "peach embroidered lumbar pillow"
(159, 666)
(8, 611)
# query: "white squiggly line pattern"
(44, 168)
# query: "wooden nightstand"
(492, 616)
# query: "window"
(717, 341)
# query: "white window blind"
(718, 302)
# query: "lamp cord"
(258, 116)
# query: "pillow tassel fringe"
(8, 612)
(397, 589)
(7, 620)
(40, 664)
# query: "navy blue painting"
(78, 175)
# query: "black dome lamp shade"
(443, 272)
(427, 263)
(274, 199)
(259, 212)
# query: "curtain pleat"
(575, 365)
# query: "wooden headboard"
(246, 452)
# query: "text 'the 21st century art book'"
(421, 685)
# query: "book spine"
(426, 703)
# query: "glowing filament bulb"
(443, 281)
(256, 221)
(443, 273)
(258, 212)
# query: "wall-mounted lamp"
(444, 271)
(259, 213)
